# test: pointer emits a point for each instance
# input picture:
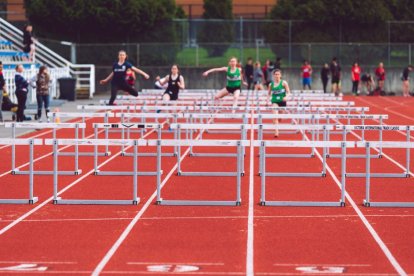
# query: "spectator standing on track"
(325, 76)
(278, 63)
(234, 81)
(264, 69)
(258, 77)
(175, 82)
(355, 76)
(28, 41)
(248, 72)
(118, 77)
(269, 73)
(279, 90)
(367, 82)
(306, 70)
(380, 74)
(21, 92)
(41, 82)
(2, 89)
(336, 76)
(406, 80)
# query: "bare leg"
(223, 92)
(236, 96)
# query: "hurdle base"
(181, 173)
(389, 204)
(18, 172)
(98, 172)
(287, 174)
(193, 154)
(374, 156)
(149, 154)
(19, 201)
(60, 201)
(293, 155)
(378, 175)
(198, 203)
(85, 154)
(303, 203)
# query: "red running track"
(151, 239)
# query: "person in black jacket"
(28, 42)
(325, 76)
(21, 92)
(2, 89)
(248, 72)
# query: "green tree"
(104, 21)
(216, 35)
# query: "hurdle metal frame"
(308, 144)
(84, 115)
(31, 143)
(95, 142)
(239, 144)
(123, 152)
(382, 128)
(53, 126)
(368, 175)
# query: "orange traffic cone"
(57, 118)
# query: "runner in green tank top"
(279, 91)
(234, 81)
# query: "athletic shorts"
(306, 81)
(173, 96)
(231, 90)
(280, 104)
(404, 79)
(335, 80)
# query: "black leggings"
(21, 105)
(124, 87)
(355, 87)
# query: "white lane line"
(98, 269)
(27, 214)
(215, 218)
(36, 262)
(250, 220)
(355, 265)
(388, 109)
(372, 231)
(172, 263)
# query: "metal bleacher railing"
(10, 53)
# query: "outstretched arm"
(164, 80)
(181, 83)
(139, 71)
(108, 78)
(219, 69)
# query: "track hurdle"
(128, 126)
(381, 129)
(305, 144)
(368, 175)
(31, 143)
(54, 126)
(95, 142)
(379, 147)
(239, 144)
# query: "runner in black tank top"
(175, 83)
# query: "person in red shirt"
(380, 74)
(306, 75)
(356, 76)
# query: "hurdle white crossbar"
(320, 103)
(239, 144)
(307, 144)
(95, 142)
(368, 175)
(31, 143)
(54, 127)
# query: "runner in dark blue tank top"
(118, 77)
